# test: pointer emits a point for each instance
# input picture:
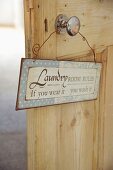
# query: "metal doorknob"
(71, 25)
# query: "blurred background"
(12, 123)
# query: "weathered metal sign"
(47, 82)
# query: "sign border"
(24, 68)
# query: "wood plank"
(101, 113)
(41, 123)
(108, 117)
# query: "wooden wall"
(72, 136)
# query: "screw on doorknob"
(71, 25)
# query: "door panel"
(69, 136)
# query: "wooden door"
(76, 136)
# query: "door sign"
(48, 82)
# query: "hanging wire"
(84, 39)
(36, 48)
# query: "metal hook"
(37, 47)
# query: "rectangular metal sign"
(47, 82)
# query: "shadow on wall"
(12, 123)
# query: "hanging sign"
(47, 82)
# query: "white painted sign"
(46, 82)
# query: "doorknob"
(64, 24)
